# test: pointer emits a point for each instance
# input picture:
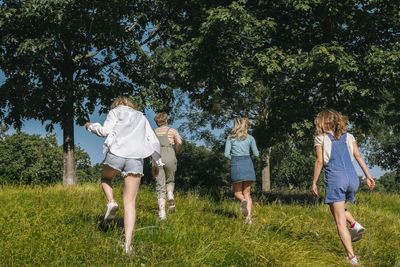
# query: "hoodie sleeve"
(109, 123)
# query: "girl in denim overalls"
(170, 145)
(335, 150)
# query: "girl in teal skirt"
(237, 149)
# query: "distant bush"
(32, 159)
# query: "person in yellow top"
(170, 145)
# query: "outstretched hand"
(88, 124)
(155, 171)
(314, 190)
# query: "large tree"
(61, 58)
(280, 62)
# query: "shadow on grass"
(221, 211)
(287, 197)
(302, 197)
(108, 225)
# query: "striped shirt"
(173, 135)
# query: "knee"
(129, 201)
(246, 193)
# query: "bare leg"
(349, 217)
(338, 212)
(238, 190)
(107, 174)
(170, 188)
(246, 193)
(131, 189)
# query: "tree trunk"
(69, 177)
(265, 174)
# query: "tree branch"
(98, 51)
(118, 58)
(86, 56)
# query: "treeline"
(29, 159)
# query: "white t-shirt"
(325, 142)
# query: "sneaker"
(352, 261)
(356, 232)
(171, 205)
(112, 208)
(249, 221)
(162, 215)
(243, 208)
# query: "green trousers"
(166, 176)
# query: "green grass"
(63, 226)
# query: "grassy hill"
(63, 226)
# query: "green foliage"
(281, 62)
(85, 173)
(31, 159)
(203, 232)
(390, 182)
(384, 146)
(198, 166)
(292, 165)
(61, 58)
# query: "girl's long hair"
(122, 101)
(329, 120)
(239, 130)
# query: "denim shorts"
(341, 186)
(124, 165)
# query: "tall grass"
(63, 226)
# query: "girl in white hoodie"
(130, 139)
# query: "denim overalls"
(341, 178)
(166, 177)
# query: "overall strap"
(333, 138)
(330, 136)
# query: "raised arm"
(319, 162)
(104, 130)
(363, 165)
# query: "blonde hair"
(122, 101)
(239, 130)
(329, 120)
(161, 119)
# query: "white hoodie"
(129, 134)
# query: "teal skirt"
(242, 169)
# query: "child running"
(165, 181)
(129, 140)
(336, 149)
(237, 148)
